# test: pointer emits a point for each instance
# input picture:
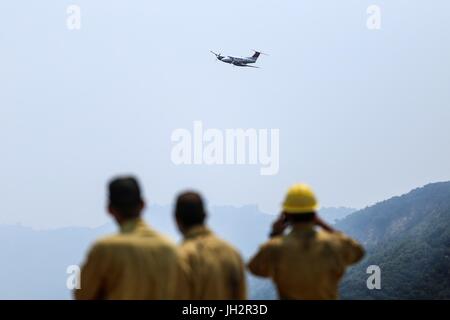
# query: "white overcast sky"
(363, 115)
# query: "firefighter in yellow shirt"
(137, 263)
(216, 268)
(305, 263)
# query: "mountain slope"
(334, 214)
(408, 237)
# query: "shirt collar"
(303, 228)
(131, 225)
(196, 231)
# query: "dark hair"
(189, 209)
(125, 196)
(300, 218)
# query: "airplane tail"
(256, 55)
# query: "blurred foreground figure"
(217, 269)
(137, 263)
(305, 263)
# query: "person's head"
(300, 204)
(189, 211)
(124, 200)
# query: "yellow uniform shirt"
(216, 268)
(138, 263)
(306, 263)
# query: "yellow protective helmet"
(300, 199)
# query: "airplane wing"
(246, 65)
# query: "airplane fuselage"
(237, 61)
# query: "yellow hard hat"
(300, 199)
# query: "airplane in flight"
(239, 61)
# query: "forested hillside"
(408, 237)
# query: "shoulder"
(152, 239)
(227, 247)
(209, 244)
(273, 244)
(101, 247)
(337, 238)
(105, 245)
(105, 242)
(163, 240)
(262, 263)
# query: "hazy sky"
(363, 115)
